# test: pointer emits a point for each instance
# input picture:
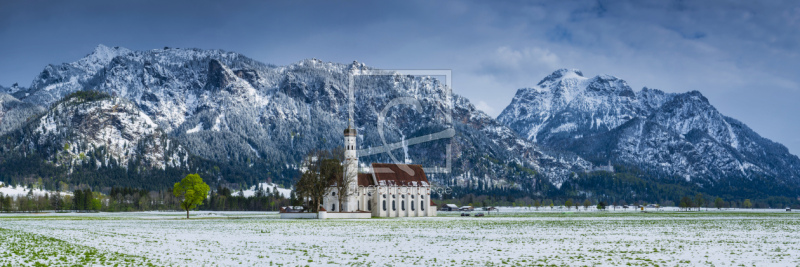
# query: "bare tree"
(313, 183)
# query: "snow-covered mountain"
(87, 128)
(231, 110)
(14, 113)
(602, 119)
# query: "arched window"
(412, 205)
(384, 205)
(394, 207)
(333, 193)
(422, 205)
(333, 207)
(369, 205)
(403, 205)
(358, 204)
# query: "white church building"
(387, 190)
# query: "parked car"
(480, 214)
(464, 214)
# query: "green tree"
(87, 199)
(718, 203)
(568, 203)
(699, 201)
(747, 204)
(96, 204)
(78, 199)
(193, 190)
(686, 202)
(536, 204)
(586, 204)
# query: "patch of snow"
(566, 127)
(268, 187)
(195, 129)
(254, 150)
(218, 122)
(14, 191)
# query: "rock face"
(234, 111)
(602, 119)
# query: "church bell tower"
(350, 166)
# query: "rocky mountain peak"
(219, 75)
(610, 84)
(561, 74)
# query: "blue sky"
(742, 55)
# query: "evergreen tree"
(78, 200)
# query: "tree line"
(131, 199)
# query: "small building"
(466, 208)
(449, 207)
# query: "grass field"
(728, 238)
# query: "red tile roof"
(365, 179)
(399, 174)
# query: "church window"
(394, 207)
(369, 205)
(384, 205)
(403, 205)
(384, 195)
(404, 196)
(333, 193)
(412, 197)
(333, 207)
(412, 205)
(421, 205)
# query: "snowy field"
(714, 238)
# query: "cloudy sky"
(742, 55)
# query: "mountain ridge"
(227, 108)
(671, 133)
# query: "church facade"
(386, 190)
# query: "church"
(386, 190)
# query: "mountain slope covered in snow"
(241, 114)
(603, 120)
